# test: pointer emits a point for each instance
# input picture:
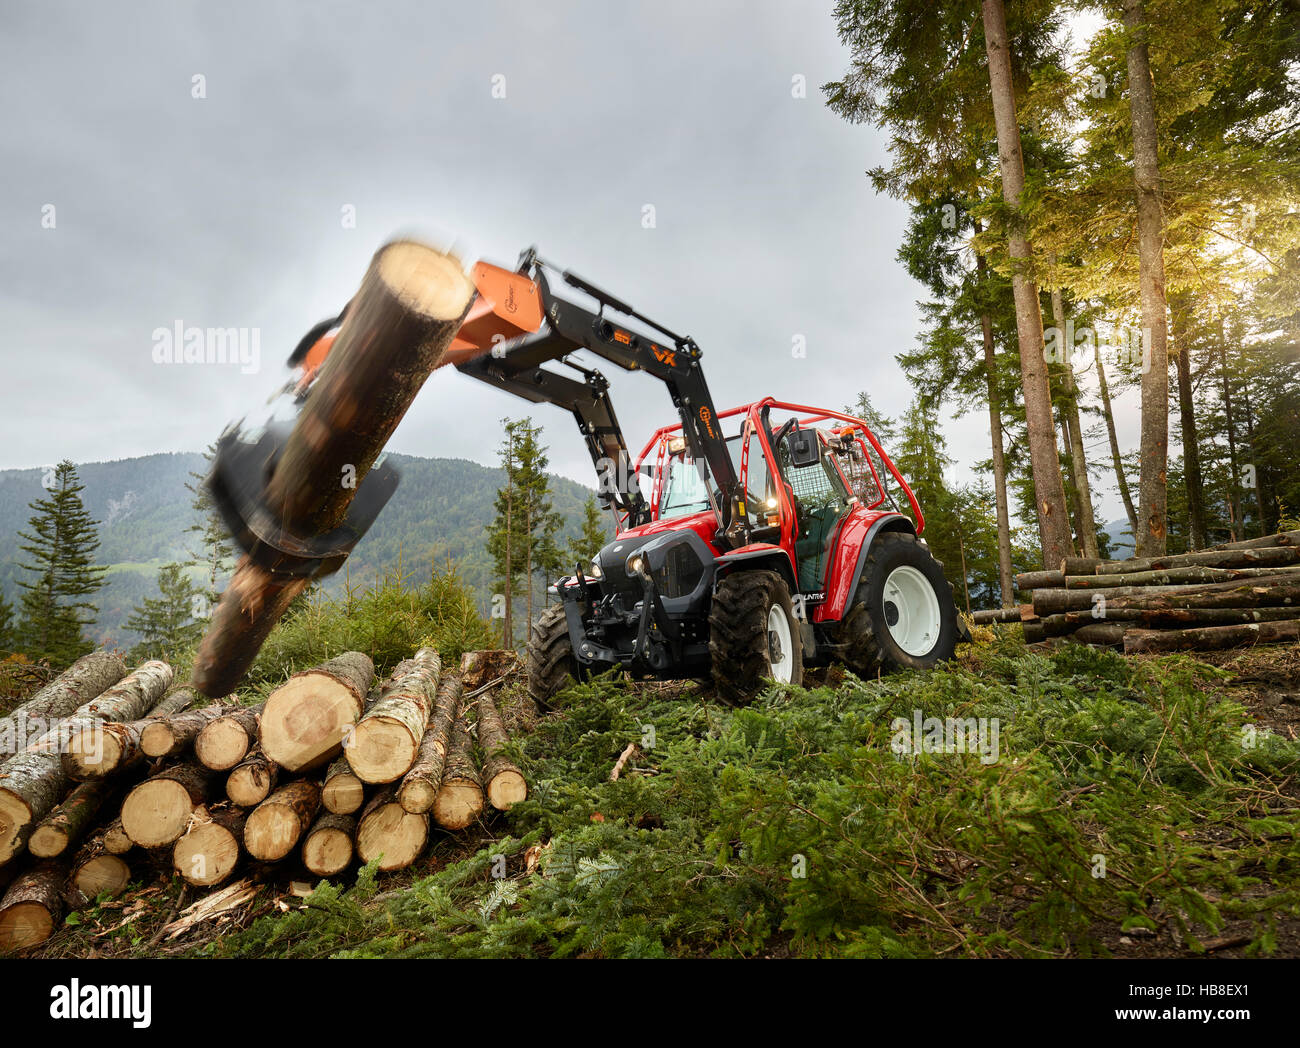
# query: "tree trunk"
(999, 463)
(1187, 424)
(1049, 491)
(59, 831)
(1234, 484)
(1032, 580)
(409, 308)
(1106, 633)
(387, 739)
(307, 718)
(386, 829)
(278, 823)
(210, 849)
(224, 742)
(1179, 618)
(419, 788)
(1254, 471)
(158, 811)
(1273, 592)
(251, 781)
(1152, 491)
(110, 748)
(1258, 557)
(343, 793)
(460, 796)
(502, 779)
(1212, 638)
(78, 684)
(1084, 523)
(168, 736)
(32, 907)
(1282, 538)
(329, 846)
(987, 618)
(1120, 479)
(1172, 577)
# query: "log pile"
(1236, 594)
(125, 778)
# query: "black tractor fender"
(762, 558)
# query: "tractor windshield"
(686, 487)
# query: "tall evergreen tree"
(592, 535)
(167, 624)
(61, 545)
(216, 551)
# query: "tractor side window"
(813, 486)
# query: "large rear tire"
(903, 615)
(551, 664)
(753, 635)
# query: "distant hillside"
(438, 515)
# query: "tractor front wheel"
(551, 665)
(903, 616)
(753, 635)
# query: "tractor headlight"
(594, 570)
(636, 565)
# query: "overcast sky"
(228, 210)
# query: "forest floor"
(1135, 808)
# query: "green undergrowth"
(1125, 798)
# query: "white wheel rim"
(780, 647)
(911, 603)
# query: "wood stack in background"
(1240, 593)
(123, 776)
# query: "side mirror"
(805, 448)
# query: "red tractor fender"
(853, 543)
(760, 556)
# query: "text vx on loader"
(751, 542)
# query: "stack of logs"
(334, 767)
(1239, 593)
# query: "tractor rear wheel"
(551, 665)
(753, 635)
(903, 615)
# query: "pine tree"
(7, 636)
(61, 544)
(216, 552)
(502, 541)
(592, 537)
(167, 624)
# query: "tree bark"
(32, 907)
(503, 781)
(386, 831)
(1032, 580)
(109, 748)
(460, 796)
(386, 741)
(307, 719)
(1273, 592)
(1187, 423)
(224, 742)
(1085, 525)
(59, 831)
(210, 849)
(1212, 638)
(999, 463)
(1182, 618)
(116, 842)
(1120, 478)
(1152, 490)
(419, 788)
(86, 678)
(1234, 465)
(401, 321)
(329, 847)
(1282, 538)
(278, 823)
(251, 781)
(1172, 577)
(1257, 557)
(168, 736)
(158, 811)
(1049, 491)
(1105, 633)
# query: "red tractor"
(751, 542)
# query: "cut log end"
(307, 718)
(458, 804)
(207, 855)
(507, 788)
(417, 796)
(381, 750)
(105, 874)
(156, 813)
(222, 744)
(278, 823)
(344, 794)
(392, 835)
(424, 280)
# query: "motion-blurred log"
(109, 748)
(278, 823)
(86, 678)
(1211, 638)
(69, 821)
(343, 793)
(307, 719)
(97, 870)
(502, 779)
(419, 788)
(329, 846)
(251, 780)
(168, 736)
(210, 849)
(388, 832)
(399, 324)
(460, 797)
(158, 811)
(32, 907)
(386, 741)
(225, 742)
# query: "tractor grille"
(681, 573)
